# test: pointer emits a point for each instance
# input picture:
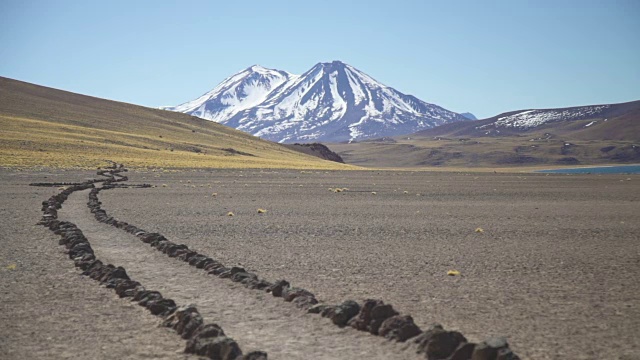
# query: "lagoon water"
(620, 169)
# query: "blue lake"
(621, 169)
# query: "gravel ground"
(49, 311)
(255, 319)
(555, 268)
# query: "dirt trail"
(255, 319)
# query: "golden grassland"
(43, 127)
(34, 143)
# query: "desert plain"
(549, 261)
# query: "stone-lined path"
(255, 319)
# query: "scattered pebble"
(453, 273)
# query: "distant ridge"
(590, 122)
(579, 135)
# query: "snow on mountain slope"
(533, 118)
(241, 91)
(331, 102)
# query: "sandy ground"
(555, 269)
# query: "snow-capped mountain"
(331, 102)
(241, 91)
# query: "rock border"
(207, 340)
(373, 316)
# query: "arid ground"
(555, 267)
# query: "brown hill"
(615, 122)
(47, 127)
(599, 134)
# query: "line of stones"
(373, 316)
(202, 339)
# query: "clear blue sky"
(485, 57)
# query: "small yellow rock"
(405, 192)
(453, 273)
(479, 230)
(374, 193)
(229, 213)
(261, 211)
(214, 194)
(164, 185)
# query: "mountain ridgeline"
(331, 102)
(581, 135)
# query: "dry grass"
(43, 127)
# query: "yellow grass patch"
(44, 127)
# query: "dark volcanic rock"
(122, 286)
(341, 314)
(230, 272)
(255, 355)
(288, 294)
(493, 349)
(161, 307)
(304, 302)
(399, 328)
(185, 320)
(117, 273)
(196, 259)
(144, 297)
(463, 352)
(278, 288)
(219, 348)
(218, 270)
(256, 283)
(185, 256)
(241, 276)
(149, 237)
(372, 314)
(438, 343)
(208, 331)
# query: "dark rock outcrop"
(371, 316)
(399, 328)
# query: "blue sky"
(485, 57)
